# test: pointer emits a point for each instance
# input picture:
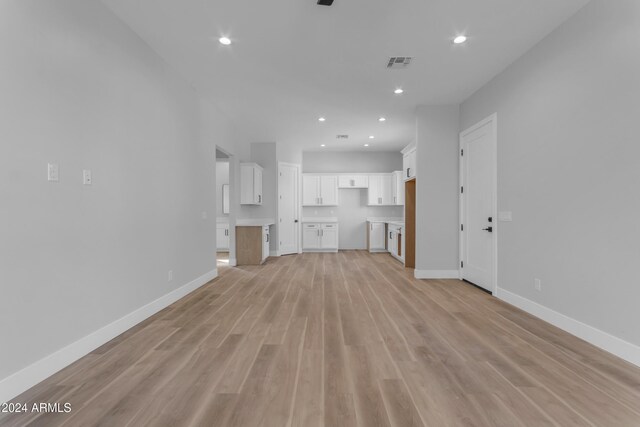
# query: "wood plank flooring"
(347, 339)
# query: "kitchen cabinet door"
(377, 236)
(328, 190)
(409, 165)
(398, 188)
(329, 236)
(311, 236)
(222, 237)
(310, 190)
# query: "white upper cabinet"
(250, 184)
(398, 188)
(409, 164)
(319, 190)
(310, 190)
(380, 190)
(353, 181)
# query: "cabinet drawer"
(311, 226)
(329, 226)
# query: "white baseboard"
(623, 349)
(274, 253)
(436, 274)
(26, 378)
(233, 262)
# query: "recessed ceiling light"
(321, 119)
(460, 39)
(398, 91)
(225, 40)
(323, 145)
(366, 145)
(371, 136)
(382, 119)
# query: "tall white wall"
(568, 168)
(437, 166)
(80, 89)
(352, 210)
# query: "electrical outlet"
(537, 284)
(170, 276)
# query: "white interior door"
(288, 209)
(478, 193)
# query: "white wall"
(568, 168)
(351, 161)
(352, 210)
(222, 178)
(82, 90)
(437, 166)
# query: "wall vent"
(399, 62)
(342, 136)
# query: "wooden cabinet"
(376, 236)
(353, 181)
(252, 244)
(250, 184)
(409, 164)
(398, 188)
(380, 190)
(319, 190)
(320, 237)
(222, 237)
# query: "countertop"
(319, 219)
(387, 220)
(397, 223)
(254, 222)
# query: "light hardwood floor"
(347, 339)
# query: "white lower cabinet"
(320, 237)
(395, 241)
(376, 236)
(329, 236)
(222, 237)
(266, 238)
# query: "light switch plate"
(53, 172)
(86, 177)
(505, 216)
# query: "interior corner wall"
(568, 168)
(81, 90)
(437, 166)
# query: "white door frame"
(299, 242)
(493, 119)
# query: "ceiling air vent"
(399, 62)
(342, 136)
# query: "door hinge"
(461, 264)
(461, 190)
(461, 227)
(462, 151)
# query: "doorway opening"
(224, 228)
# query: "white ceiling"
(292, 61)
